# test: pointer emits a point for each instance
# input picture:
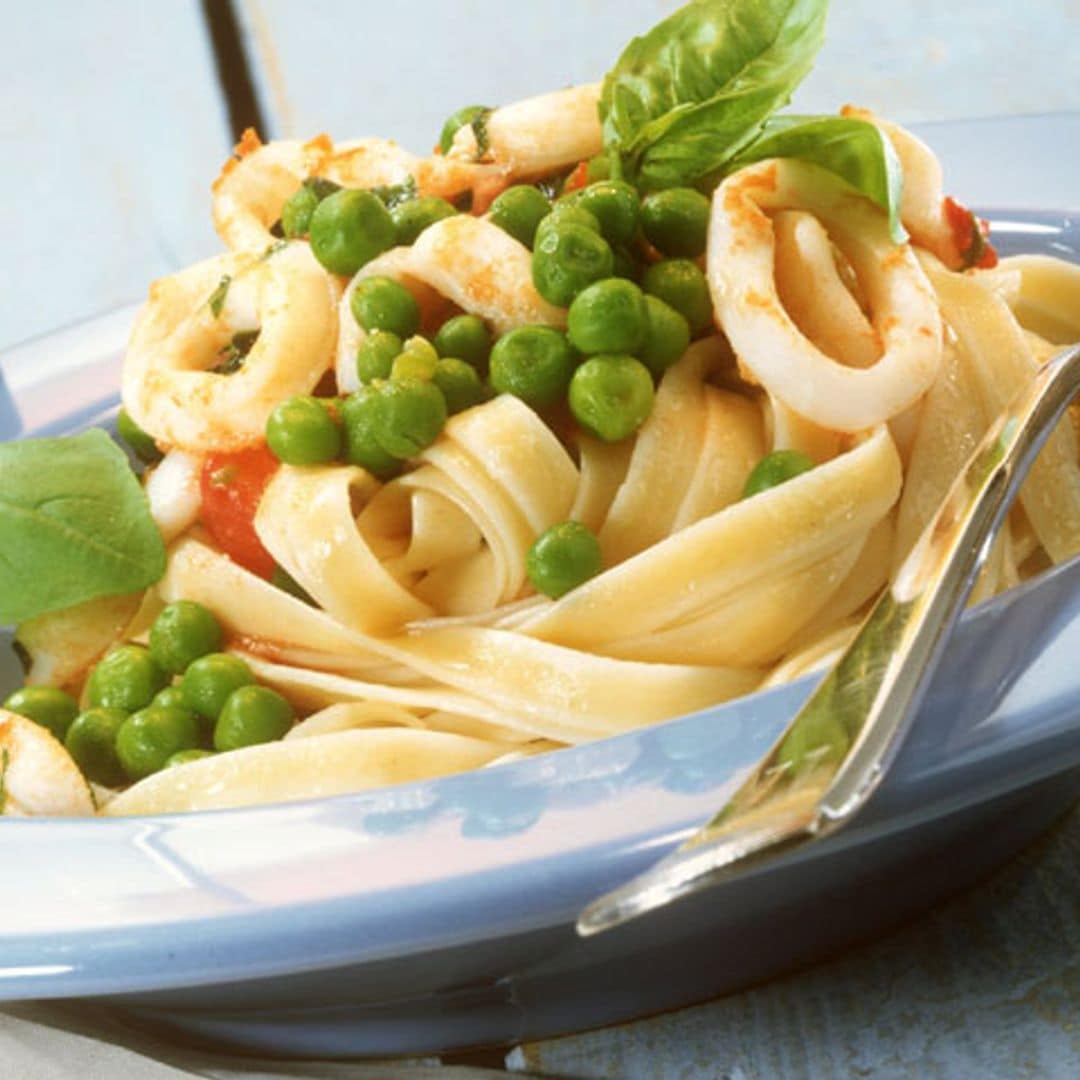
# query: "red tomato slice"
(577, 179)
(971, 236)
(231, 486)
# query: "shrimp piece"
(37, 775)
(742, 279)
(538, 135)
(170, 385)
(468, 260)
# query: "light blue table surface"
(112, 127)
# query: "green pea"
(533, 363)
(775, 469)
(209, 681)
(127, 678)
(409, 416)
(626, 266)
(381, 303)
(681, 284)
(297, 211)
(185, 757)
(422, 347)
(348, 229)
(412, 217)
(610, 396)
(599, 168)
(183, 632)
(460, 384)
(171, 696)
(676, 221)
(142, 445)
(567, 212)
(616, 205)
(519, 210)
(252, 715)
(668, 337)
(609, 316)
(375, 355)
(567, 258)
(465, 337)
(456, 121)
(413, 364)
(45, 705)
(359, 414)
(298, 208)
(301, 431)
(147, 739)
(91, 742)
(562, 558)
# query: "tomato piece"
(971, 236)
(231, 486)
(577, 179)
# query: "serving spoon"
(830, 759)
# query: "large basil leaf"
(855, 150)
(688, 95)
(74, 524)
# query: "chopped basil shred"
(479, 125)
(392, 195)
(216, 302)
(5, 762)
(273, 249)
(232, 356)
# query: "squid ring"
(741, 272)
(168, 384)
(468, 260)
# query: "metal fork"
(834, 753)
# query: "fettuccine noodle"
(417, 646)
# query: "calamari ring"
(538, 135)
(254, 185)
(922, 203)
(741, 272)
(467, 260)
(166, 386)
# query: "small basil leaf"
(683, 99)
(479, 125)
(74, 524)
(854, 150)
(392, 195)
(216, 300)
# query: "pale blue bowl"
(439, 915)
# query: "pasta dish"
(625, 401)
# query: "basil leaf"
(74, 524)
(854, 150)
(686, 97)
